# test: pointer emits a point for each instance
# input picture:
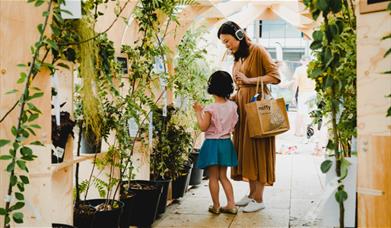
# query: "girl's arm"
(203, 119)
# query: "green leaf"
(388, 112)
(19, 196)
(38, 143)
(21, 65)
(24, 179)
(52, 44)
(316, 45)
(20, 186)
(325, 166)
(387, 72)
(45, 14)
(33, 107)
(7, 219)
(344, 168)
(63, 65)
(322, 5)
(387, 52)
(318, 36)
(315, 73)
(22, 165)
(40, 28)
(2, 211)
(26, 151)
(13, 180)
(35, 95)
(336, 6)
(35, 126)
(17, 206)
(39, 2)
(12, 91)
(10, 167)
(386, 37)
(5, 157)
(4, 142)
(17, 217)
(341, 196)
(33, 117)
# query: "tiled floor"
(288, 203)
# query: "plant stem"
(77, 166)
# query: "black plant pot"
(163, 197)
(145, 202)
(181, 183)
(60, 136)
(99, 218)
(196, 173)
(59, 225)
(128, 199)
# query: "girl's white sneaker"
(243, 201)
(253, 206)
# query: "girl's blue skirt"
(217, 152)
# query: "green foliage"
(172, 145)
(334, 71)
(191, 70)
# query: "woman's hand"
(197, 107)
(241, 78)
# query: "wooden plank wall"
(374, 129)
(16, 36)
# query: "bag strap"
(257, 88)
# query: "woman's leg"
(227, 186)
(252, 186)
(213, 172)
(258, 193)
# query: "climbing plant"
(334, 71)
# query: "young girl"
(218, 120)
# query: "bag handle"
(257, 88)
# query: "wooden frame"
(369, 6)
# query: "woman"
(256, 157)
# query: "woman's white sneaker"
(244, 201)
(253, 206)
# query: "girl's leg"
(227, 186)
(213, 172)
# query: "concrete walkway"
(297, 190)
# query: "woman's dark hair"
(230, 28)
(220, 83)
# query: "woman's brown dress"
(256, 157)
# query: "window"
(277, 29)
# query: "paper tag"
(59, 152)
(133, 127)
(74, 7)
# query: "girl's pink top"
(224, 117)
